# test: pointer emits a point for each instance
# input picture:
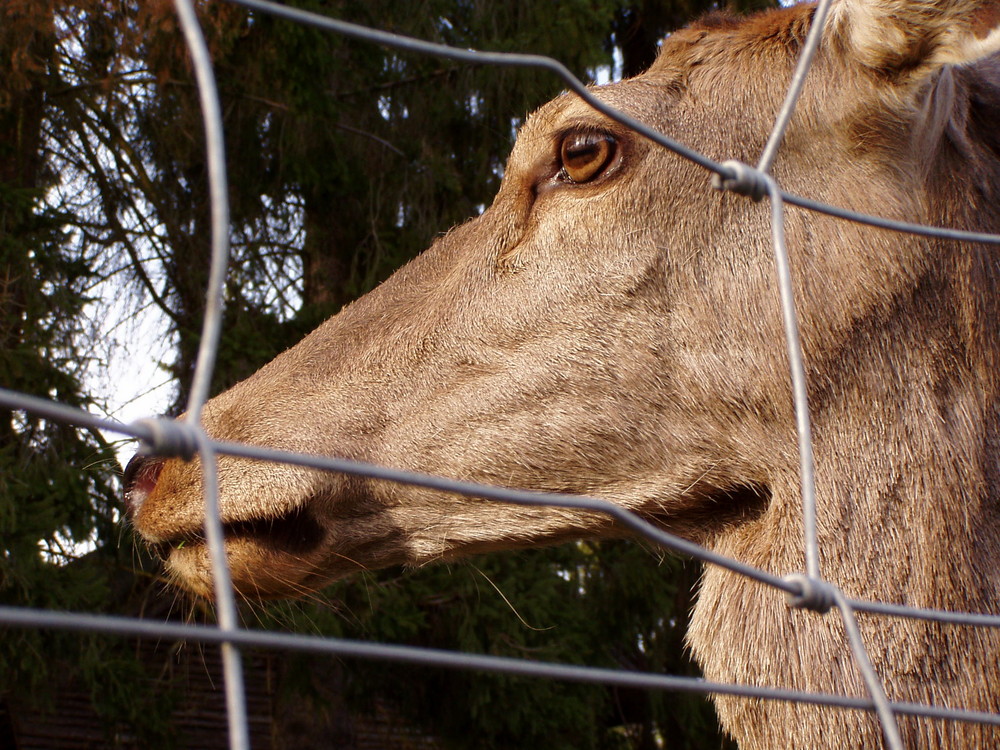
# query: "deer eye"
(585, 156)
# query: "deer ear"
(903, 38)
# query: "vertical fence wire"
(809, 590)
(792, 337)
(225, 596)
(806, 57)
(797, 375)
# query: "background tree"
(344, 161)
(57, 488)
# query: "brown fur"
(621, 338)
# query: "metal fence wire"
(187, 438)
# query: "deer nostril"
(139, 480)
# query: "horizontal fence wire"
(131, 627)
(508, 59)
(163, 433)
(169, 437)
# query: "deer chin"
(268, 558)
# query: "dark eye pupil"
(582, 152)
(585, 156)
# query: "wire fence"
(186, 439)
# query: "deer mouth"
(296, 532)
(275, 546)
(290, 532)
(268, 557)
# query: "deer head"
(610, 327)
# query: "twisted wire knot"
(169, 437)
(741, 178)
(813, 594)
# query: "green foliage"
(46, 501)
(57, 486)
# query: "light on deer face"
(530, 347)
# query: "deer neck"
(906, 442)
